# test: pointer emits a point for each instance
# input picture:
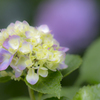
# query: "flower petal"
(19, 63)
(43, 71)
(5, 44)
(12, 42)
(5, 59)
(62, 66)
(64, 49)
(44, 28)
(29, 34)
(18, 73)
(52, 66)
(26, 47)
(32, 77)
(25, 23)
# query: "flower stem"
(31, 93)
(39, 96)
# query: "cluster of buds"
(30, 51)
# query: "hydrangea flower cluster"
(30, 51)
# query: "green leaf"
(4, 78)
(90, 70)
(88, 93)
(68, 92)
(54, 98)
(73, 62)
(20, 98)
(48, 85)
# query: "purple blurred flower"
(73, 22)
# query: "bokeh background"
(74, 23)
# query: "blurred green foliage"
(90, 70)
(88, 93)
(13, 89)
(12, 10)
(20, 98)
(53, 98)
